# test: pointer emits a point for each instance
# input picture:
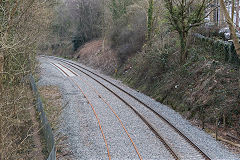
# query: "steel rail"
(100, 126)
(100, 96)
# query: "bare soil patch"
(98, 54)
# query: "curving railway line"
(143, 111)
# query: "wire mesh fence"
(46, 128)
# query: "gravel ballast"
(84, 136)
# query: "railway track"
(151, 127)
(100, 96)
(142, 118)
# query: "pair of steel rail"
(168, 147)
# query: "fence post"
(1, 70)
(1, 74)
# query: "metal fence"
(46, 128)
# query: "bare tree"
(79, 21)
(237, 14)
(231, 27)
(233, 9)
(184, 15)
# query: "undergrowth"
(206, 87)
(16, 127)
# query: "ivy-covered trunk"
(183, 43)
(150, 19)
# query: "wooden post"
(216, 129)
(217, 114)
(1, 70)
(224, 121)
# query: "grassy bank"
(205, 87)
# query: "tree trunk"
(183, 43)
(215, 13)
(231, 27)
(211, 16)
(150, 19)
(222, 21)
(233, 5)
(237, 14)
